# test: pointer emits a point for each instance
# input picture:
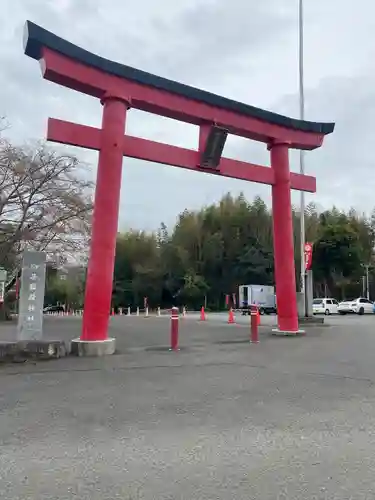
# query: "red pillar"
(105, 221)
(283, 240)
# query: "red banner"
(308, 255)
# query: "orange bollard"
(203, 314)
(231, 319)
(254, 315)
(258, 316)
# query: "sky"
(243, 49)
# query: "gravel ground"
(289, 418)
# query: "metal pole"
(301, 153)
(367, 284)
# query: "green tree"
(338, 253)
(193, 290)
(137, 271)
(211, 251)
(65, 287)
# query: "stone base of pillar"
(283, 333)
(93, 347)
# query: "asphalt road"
(289, 418)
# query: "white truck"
(262, 296)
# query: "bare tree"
(45, 204)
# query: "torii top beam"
(66, 64)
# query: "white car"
(356, 306)
(325, 306)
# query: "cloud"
(211, 39)
(244, 50)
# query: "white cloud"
(244, 50)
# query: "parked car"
(356, 306)
(52, 309)
(325, 306)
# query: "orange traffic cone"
(203, 314)
(231, 316)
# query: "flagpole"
(301, 153)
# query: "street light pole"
(301, 153)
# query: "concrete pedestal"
(32, 349)
(93, 347)
(281, 333)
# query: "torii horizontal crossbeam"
(65, 132)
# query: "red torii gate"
(120, 88)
